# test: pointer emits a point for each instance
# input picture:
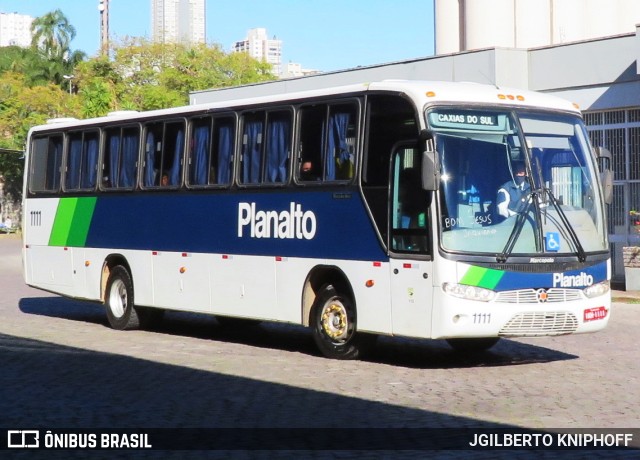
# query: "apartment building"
(259, 46)
(178, 21)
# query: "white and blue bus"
(356, 211)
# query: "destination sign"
(468, 120)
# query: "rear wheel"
(118, 301)
(334, 326)
(473, 344)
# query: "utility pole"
(103, 7)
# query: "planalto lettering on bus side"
(292, 223)
(581, 280)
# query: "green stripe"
(491, 279)
(72, 221)
(62, 222)
(473, 276)
(482, 277)
(81, 221)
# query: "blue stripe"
(208, 222)
(579, 278)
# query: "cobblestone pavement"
(62, 367)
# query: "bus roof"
(422, 92)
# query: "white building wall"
(486, 27)
(447, 32)
(15, 29)
(534, 26)
(529, 23)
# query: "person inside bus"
(307, 172)
(513, 194)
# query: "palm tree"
(52, 34)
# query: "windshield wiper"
(517, 229)
(582, 256)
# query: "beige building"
(260, 47)
(178, 21)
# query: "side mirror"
(604, 157)
(430, 162)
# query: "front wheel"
(469, 345)
(334, 326)
(118, 300)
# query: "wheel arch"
(111, 261)
(319, 276)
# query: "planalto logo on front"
(571, 281)
(292, 223)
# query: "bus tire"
(118, 300)
(334, 326)
(472, 344)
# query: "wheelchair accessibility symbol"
(552, 241)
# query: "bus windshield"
(517, 183)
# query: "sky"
(323, 35)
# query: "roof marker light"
(430, 94)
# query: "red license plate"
(593, 314)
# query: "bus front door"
(411, 297)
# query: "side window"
(120, 158)
(46, 160)
(390, 119)
(82, 161)
(310, 141)
(211, 151)
(266, 147)
(251, 159)
(163, 149)
(278, 147)
(327, 142)
(409, 202)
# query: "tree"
(21, 107)
(144, 75)
(52, 34)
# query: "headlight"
(597, 289)
(468, 292)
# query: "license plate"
(593, 314)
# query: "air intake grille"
(540, 323)
(533, 296)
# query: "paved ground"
(62, 367)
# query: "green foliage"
(11, 171)
(52, 34)
(147, 75)
(135, 75)
(21, 107)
